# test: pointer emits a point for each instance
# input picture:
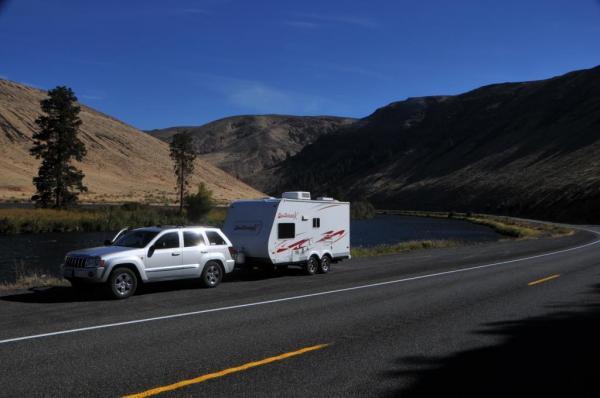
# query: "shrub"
(362, 210)
(199, 204)
(133, 206)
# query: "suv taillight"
(232, 251)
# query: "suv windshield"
(136, 239)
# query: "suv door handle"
(203, 252)
(175, 254)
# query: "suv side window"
(192, 238)
(169, 240)
(215, 238)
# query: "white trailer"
(291, 230)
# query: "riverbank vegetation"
(362, 210)
(402, 247)
(505, 226)
(109, 218)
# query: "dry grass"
(402, 247)
(27, 279)
(14, 221)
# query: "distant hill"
(246, 145)
(123, 163)
(530, 148)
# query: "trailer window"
(316, 223)
(286, 230)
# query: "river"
(45, 252)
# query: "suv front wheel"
(122, 283)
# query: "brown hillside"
(530, 148)
(123, 163)
(246, 145)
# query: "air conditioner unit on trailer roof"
(296, 195)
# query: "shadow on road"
(64, 294)
(553, 355)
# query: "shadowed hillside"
(245, 145)
(529, 148)
(123, 164)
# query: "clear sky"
(158, 63)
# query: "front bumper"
(93, 275)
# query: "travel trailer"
(291, 230)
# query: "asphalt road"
(495, 319)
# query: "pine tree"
(183, 156)
(56, 143)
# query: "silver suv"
(152, 254)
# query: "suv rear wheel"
(212, 274)
(122, 283)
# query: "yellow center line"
(546, 279)
(224, 372)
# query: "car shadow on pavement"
(553, 355)
(250, 275)
(66, 294)
(58, 294)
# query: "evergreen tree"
(56, 143)
(183, 156)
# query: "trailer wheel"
(325, 265)
(312, 265)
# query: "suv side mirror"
(151, 251)
(107, 242)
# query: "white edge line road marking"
(347, 289)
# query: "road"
(494, 319)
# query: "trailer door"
(286, 235)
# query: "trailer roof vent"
(296, 195)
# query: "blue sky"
(155, 64)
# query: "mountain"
(246, 145)
(530, 148)
(123, 163)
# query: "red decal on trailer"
(298, 244)
(330, 235)
(293, 246)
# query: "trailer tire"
(312, 265)
(325, 264)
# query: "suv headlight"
(94, 262)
